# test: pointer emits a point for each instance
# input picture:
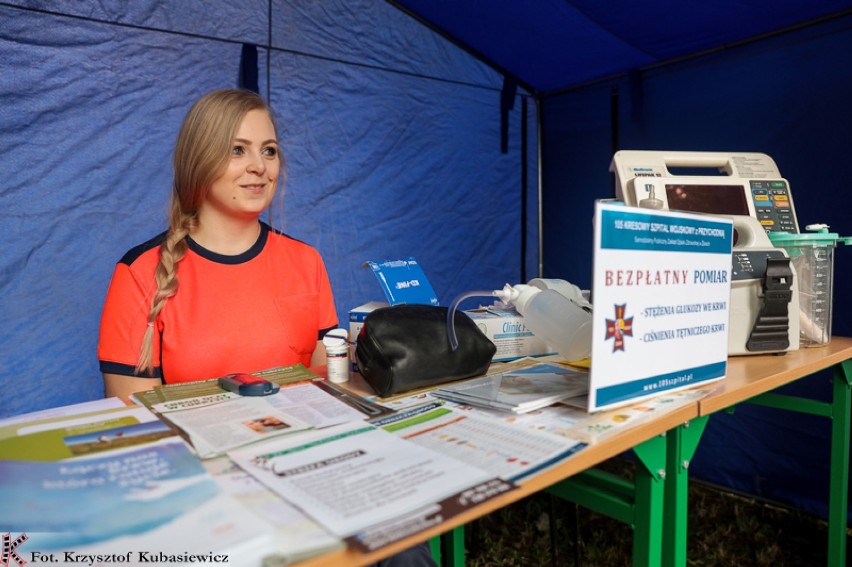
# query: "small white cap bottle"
(337, 355)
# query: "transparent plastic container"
(812, 257)
(554, 318)
(561, 318)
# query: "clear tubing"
(451, 313)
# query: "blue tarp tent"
(411, 128)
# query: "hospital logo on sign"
(618, 328)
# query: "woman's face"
(247, 185)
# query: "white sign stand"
(661, 291)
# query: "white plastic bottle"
(553, 318)
(337, 355)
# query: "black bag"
(405, 347)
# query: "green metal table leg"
(435, 549)
(452, 548)
(648, 511)
(681, 445)
(840, 413)
(839, 483)
(639, 504)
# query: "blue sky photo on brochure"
(87, 501)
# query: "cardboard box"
(357, 316)
(506, 329)
(401, 281)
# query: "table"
(748, 379)
(655, 504)
(752, 379)
(651, 432)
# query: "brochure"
(520, 390)
(65, 411)
(119, 480)
(79, 434)
(143, 503)
(510, 452)
(570, 418)
(601, 425)
(404, 525)
(354, 476)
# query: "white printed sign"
(661, 292)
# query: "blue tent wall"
(392, 138)
(788, 97)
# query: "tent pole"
(269, 51)
(540, 168)
(525, 190)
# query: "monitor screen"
(714, 199)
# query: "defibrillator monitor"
(764, 306)
(735, 184)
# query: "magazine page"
(409, 523)
(314, 406)
(218, 423)
(570, 418)
(603, 424)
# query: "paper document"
(353, 476)
(571, 420)
(311, 404)
(407, 524)
(297, 536)
(600, 425)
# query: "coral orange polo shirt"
(264, 308)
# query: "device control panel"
(773, 205)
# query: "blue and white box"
(505, 328)
(402, 281)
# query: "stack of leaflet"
(519, 391)
(106, 480)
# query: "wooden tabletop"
(748, 376)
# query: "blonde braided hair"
(201, 154)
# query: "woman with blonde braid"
(220, 291)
